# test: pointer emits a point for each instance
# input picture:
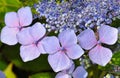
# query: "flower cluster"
(34, 41)
(78, 14)
(68, 45)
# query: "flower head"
(14, 23)
(78, 14)
(29, 38)
(62, 49)
(98, 54)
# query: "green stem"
(103, 74)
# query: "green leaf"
(114, 66)
(116, 58)
(93, 71)
(106, 68)
(29, 2)
(12, 53)
(3, 63)
(43, 75)
(7, 6)
(8, 71)
(116, 23)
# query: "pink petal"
(74, 51)
(80, 72)
(29, 52)
(100, 55)
(108, 35)
(59, 61)
(51, 44)
(87, 39)
(24, 37)
(11, 19)
(8, 35)
(67, 38)
(62, 75)
(37, 31)
(25, 16)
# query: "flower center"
(98, 42)
(63, 49)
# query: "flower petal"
(11, 19)
(59, 61)
(37, 31)
(80, 72)
(108, 35)
(71, 68)
(62, 75)
(8, 35)
(100, 55)
(25, 16)
(74, 51)
(29, 52)
(41, 48)
(66, 73)
(67, 38)
(87, 39)
(24, 37)
(51, 44)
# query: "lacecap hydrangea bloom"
(33, 43)
(77, 14)
(73, 21)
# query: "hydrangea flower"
(99, 54)
(71, 72)
(60, 54)
(14, 22)
(77, 14)
(31, 44)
